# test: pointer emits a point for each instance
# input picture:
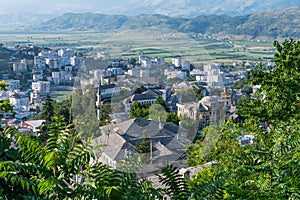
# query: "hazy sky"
(55, 6)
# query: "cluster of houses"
(168, 141)
(120, 141)
(54, 66)
(47, 68)
(118, 83)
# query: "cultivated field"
(152, 42)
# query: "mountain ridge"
(192, 8)
(271, 24)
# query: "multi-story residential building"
(186, 65)
(134, 72)
(142, 57)
(177, 62)
(209, 110)
(106, 92)
(66, 53)
(39, 90)
(68, 68)
(73, 61)
(13, 84)
(55, 77)
(113, 71)
(19, 101)
(103, 56)
(39, 63)
(20, 66)
(64, 60)
(226, 96)
(159, 61)
(140, 98)
(213, 75)
(175, 74)
(37, 77)
(146, 63)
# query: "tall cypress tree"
(47, 111)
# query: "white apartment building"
(177, 61)
(39, 89)
(20, 102)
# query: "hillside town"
(203, 95)
(149, 100)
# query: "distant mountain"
(19, 21)
(14, 17)
(192, 8)
(282, 23)
(179, 8)
(271, 24)
(108, 23)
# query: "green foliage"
(144, 146)
(4, 104)
(143, 149)
(158, 112)
(269, 167)
(47, 111)
(63, 168)
(203, 150)
(84, 111)
(173, 118)
(191, 125)
(266, 169)
(198, 93)
(176, 186)
(278, 97)
(139, 110)
(191, 78)
(63, 109)
(104, 110)
(161, 101)
(243, 84)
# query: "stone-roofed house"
(154, 93)
(171, 103)
(107, 91)
(149, 96)
(140, 98)
(169, 141)
(209, 110)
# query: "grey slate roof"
(103, 87)
(154, 93)
(121, 137)
(140, 97)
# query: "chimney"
(160, 123)
(180, 123)
(151, 151)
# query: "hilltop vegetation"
(268, 25)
